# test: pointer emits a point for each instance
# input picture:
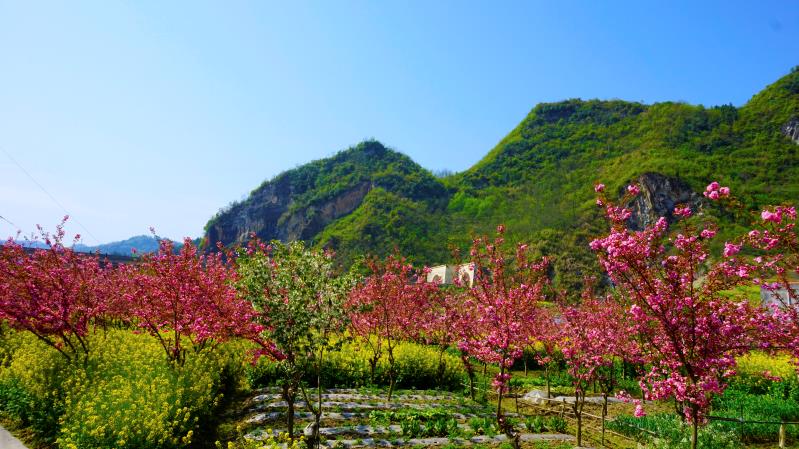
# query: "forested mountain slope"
(538, 180)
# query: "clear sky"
(157, 113)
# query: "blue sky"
(139, 114)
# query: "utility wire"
(48, 194)
(8, 221)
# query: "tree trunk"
(288, 396)
(441, 366)
(694, 427)
(390, 372)
(317, 418)
(499, 398)
(604, 414)
(372, 367)
(546, 373)
(470, 372)
(578, 413)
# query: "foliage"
(127, 394)
(183, 295)
(385, 222)
(271, 441)
(30, 384)
(758, 363)
(53, 293)
(690, 333)
(555, 424)
(301, 306)
(394, 303)
(483, 426)
(779, 402)
(416, 366)
(672, 432)
(593, 335)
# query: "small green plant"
(411, 427)
(555, 424)
(442, 427)
(483, 426)
(535, 424)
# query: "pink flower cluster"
(714, 191)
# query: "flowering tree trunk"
(500, 310)
(690, 331)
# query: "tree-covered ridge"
(368, 162)
(537, 179)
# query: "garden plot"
(353, 418)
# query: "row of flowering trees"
(669, 308)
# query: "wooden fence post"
(782, 434)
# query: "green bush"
(416, 367)
(673, 433)
(555, 424)
(126, 394)
(484, 425)
(31, 384)
(754, 398)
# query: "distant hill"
(537, 180)
(143, 244)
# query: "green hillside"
(538, 180)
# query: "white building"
(446, 274)
(779, 297)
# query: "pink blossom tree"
(184, 295)
(54, 293)
(390, 306)
(593, 336)
(690, 332)
(503, 304)
(547, 338)
(774, 237)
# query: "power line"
(48, 194)
(8, 221)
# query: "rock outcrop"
(659, 195)
(301, 203)
(791, 130)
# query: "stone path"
(7, 441)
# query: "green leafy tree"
(301, 305)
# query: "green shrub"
(755, 398)
(31, 389)
(126, 395)
(535, 424)
(416, 367)
(673, 433)
(555, 424)
(483, 425)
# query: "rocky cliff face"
(300, 203)
(659, 195)
(305, 224)
(791, 130)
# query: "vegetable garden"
(274, 345)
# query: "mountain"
(537, 180)
(363, 198)
(141, 243)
